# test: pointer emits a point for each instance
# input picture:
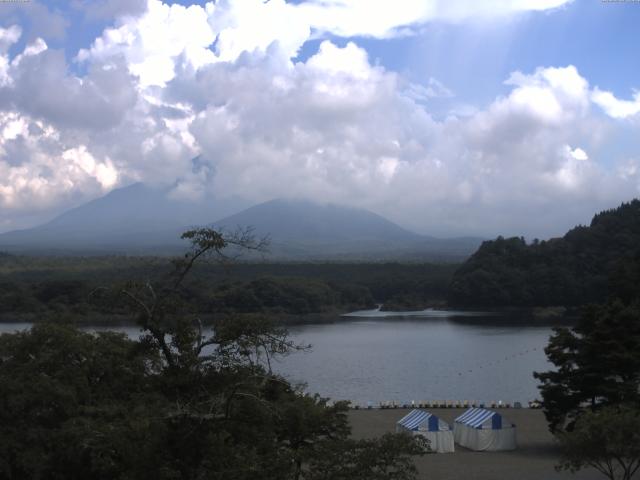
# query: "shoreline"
(505, 315)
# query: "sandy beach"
(534, 458)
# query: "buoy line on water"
(501, 361)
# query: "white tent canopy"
(438, 432)
(486, 430)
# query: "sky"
(466, 117)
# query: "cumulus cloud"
(38, 82)
(222, 82)
(337, 127)
(152, 43)
(615, 107)
(38, 168)
(165, 34)
(40, 20)
(9, 36)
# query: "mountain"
(135, 219)
(303, 229)
(303, 221)
(587, 265)
(140, 219)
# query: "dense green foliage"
(585, 266)
(76, 405)
(607, 440)
(48, 287)
(178, 403)
(591, 399)
(597, 364)
(287, 295)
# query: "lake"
(375, 356)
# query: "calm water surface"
(377, 356)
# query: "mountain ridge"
(139, 219)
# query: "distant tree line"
(45, 287)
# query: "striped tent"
(425, 424)
(481, 429)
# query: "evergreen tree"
(597, 364)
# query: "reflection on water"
(436, 356)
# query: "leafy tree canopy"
(179, 403)
(608, 441)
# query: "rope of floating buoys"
(498, 362)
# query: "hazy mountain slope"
(140, 219)
(296, 220)
(134, 217)
(305, 229)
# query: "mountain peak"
(293, 220)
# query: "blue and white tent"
(425, 424)
(481, 429)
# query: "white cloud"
(350, 61)
(551, 94)
(39, 20)
(152, 42)
(36, 169)
(104, 172)
(384, 19)
(422, 93)
(160, 89)
(578, 154)
(38, 83)
(9, 36)
(614, 107)
(34, 48)
(247, 25)
(377, 148)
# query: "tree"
(386, 458)
(178, 403)
(597, 364)
(73, 403)
(607, 440)
(161, 310)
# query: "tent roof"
(476, 418)
(415, 418)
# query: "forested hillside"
(587, 265)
